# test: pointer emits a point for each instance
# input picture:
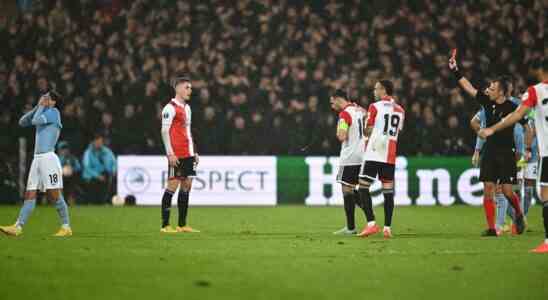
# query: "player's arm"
(508, 121)
(44, 116)
(26, 119)
(465, 84)
(168, 114)
(476, 123)
(345, 121)
(529, 101)
(370, 124)
(529, 137)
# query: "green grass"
(268, 253)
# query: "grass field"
(268, 253)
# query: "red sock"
(514, 201)
(489, 208)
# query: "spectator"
(71, 172)
(261, 62)
(99, 167)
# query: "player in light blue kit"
(45, 171)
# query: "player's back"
(537, 97)
(386, 117)
(352, 149)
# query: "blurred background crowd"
(262, 70)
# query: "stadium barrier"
(270, 180)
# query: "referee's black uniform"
(498, 163)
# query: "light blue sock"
(62, 210)
(24, 213)
(502, 205)
(528, 198)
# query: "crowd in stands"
(262, 70)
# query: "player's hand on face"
(44, 101)
(173, 161)
(486, 132)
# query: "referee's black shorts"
(498, 167)
(185, 168)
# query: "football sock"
(489, 208)
(528, 198)
(502, 206)
(182, 204)
(545, 217)
(514, 201)
(24, 213)
(349, 206)
(388, 206)
(365, 198)
(62, 211)
(166, 206)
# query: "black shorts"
(185, 168)
(499, 167)
(348, 175)
(371, 169)
(543, 171)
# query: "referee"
(498, 165)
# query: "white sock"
(387, 228)
(65, 226)
(546, 241)
(372, 223)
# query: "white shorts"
(531, 170)
(45, 173)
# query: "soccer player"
(181, 154)
(536, 97)
(384, 123)
(45, 172)
(350, 134)
(530, 172)
(478, 122)
(498, 164)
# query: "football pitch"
(285, 252)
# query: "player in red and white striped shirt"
(536, 98)
(182, 157)
(350, 134)
(384, 123)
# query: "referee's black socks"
(166, 206)
(349, 210)
(182, 204)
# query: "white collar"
(174, 100)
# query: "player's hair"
(179, 79)
(504, 83)
(388, 86)
(55, 96)
(341, 94)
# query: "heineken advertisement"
(419, 181)
(269, 180)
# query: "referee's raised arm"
(463, 82)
